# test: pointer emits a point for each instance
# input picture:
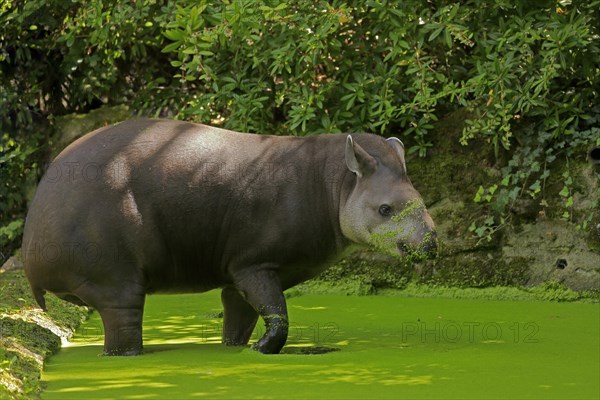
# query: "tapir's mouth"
(427, 248)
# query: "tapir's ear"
(358, 160)
(396, 143)
(398, 146)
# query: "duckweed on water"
(385, 347)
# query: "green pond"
(347, 347)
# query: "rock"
(11, 264)
(477, 268)
(555, 251)
(452, 219)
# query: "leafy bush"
(377, 66)
(13, 177)
(60, 57)
(527, 72)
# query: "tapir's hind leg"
(122, 331)
(121, 307)
(239, 318)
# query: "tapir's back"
(183, 202)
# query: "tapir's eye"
(385, 210)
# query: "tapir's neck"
(341, 192)
(336, 180)
(324, 181)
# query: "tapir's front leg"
(261, 288)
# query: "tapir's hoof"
(234, 343)
(264, 349)
(123, 353)
(269, 344)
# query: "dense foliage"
(527, 72)
(59, 57)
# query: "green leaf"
(535, 188)
(171, 47)
(325, 121)
(569, 202)
(174, 34)
(564, 192)
(478, 195)
(436, 33)
(448, 38)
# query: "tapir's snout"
(427, 248)
(420, 237)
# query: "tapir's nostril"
(428, 246)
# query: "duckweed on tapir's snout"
(406, 234)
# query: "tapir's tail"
(38, 294)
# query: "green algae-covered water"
(347, 347)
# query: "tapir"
(152, 205)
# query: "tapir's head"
(383, 208)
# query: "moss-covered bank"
(29, 336)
